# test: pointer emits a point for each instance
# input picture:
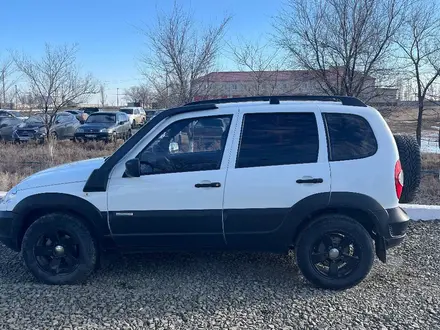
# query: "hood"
(63, 174)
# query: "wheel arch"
(362, 208)
(33, 207)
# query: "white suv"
(300, 172)
(136, 115)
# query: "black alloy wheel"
(334, 252)
(57, 252)
(335, 255)
(59, 249)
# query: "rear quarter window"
(349, 137)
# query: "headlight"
(106, 130)
(9, 196)
(80, 130)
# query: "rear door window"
(271, 139)
(349, 137)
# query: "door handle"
(208, 185)
(315, 180)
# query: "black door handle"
(208, 185)
(319, 180)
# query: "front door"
(177, 201)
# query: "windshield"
(127, 111)
(101, 118)
(37, 119)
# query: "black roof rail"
(345, 100)
(98, 179)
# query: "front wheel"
(335, 252)
(59, 249)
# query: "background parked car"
(34, 128)
(107, 126)
(79, 114)
(136, 115)
(7, 126)
(149, 114)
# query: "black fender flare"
(53, 202)
(306, 209)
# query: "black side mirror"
(133, 168)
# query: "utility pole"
(117, 97)
(16, 97)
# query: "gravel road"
(228, 291)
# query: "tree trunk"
(419, 123)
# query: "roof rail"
(345, 100)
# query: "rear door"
(279, 159)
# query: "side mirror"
(133, 168)
(121, 122)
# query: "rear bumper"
(9, 230)
(393, 226)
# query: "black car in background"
(105, 126)
(34, 128)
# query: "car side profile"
(35, 128)
(320, 175)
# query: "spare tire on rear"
(410, 159)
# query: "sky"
(108, 31)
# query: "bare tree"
(7, 81)
(139, 93)
(102, 96)
(55, 79)
(263, 61)
(420, 45)
(343, 42)
(180, 54)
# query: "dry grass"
(20, 161)
(429, 191)
(431, 161)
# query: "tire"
(410, 159)
(50, 266)
(344, 229)
(133, 124)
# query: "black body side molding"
(98, 179)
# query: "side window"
(270, 139)
(194, 144)
(350, 137)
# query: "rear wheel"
(59, 249)
(334, 252)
